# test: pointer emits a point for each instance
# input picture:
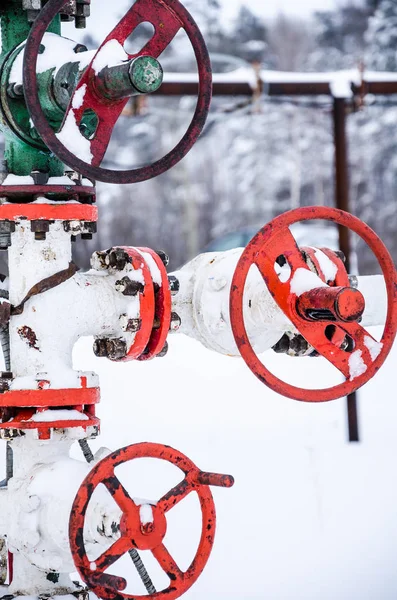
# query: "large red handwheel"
(167, 17)
(143, 535)
(298, 289)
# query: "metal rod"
(88, 455)
(143, 574)
(176, 84)
(342, 202)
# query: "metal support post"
(342, 202)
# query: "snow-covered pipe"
(203, 303)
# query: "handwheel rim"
(94, 478)
(47, 14)
(237, 292)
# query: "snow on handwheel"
(143, 525)
(327, 316)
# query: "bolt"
(90, 226)
(175, 321)
(353, 281)
(40, 177)
(129, 287)
(80, 48)
(340, 255)
(40, 228)
(165, 259)
(15, 90)
(119, 258)
(86, 236)
(163, 351)
(147, 528)
(174, 284)
(130, 325)
(115, 348)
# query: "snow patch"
(71, 137)
(304, 281)
(47, 416)
(357, 366)
(146, 514)
(78, 97)
(328, 267)
(283, 273)
(111, 54)
(373, 346)
(18, 180)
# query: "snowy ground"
(311, 517)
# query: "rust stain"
(27, 333)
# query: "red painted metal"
(49, 212)
(162, 311)
(20, 422)
(49, 398)
(344, 304)
(147, 306)
(274, 240)
(167, 17)
(133, 534)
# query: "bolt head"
(165, 259)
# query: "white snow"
(357, 365)
(146, 514)
(78, 98)
(341, 87)
(48, 416)
(304, 280)
(111, 54)
(58, 51)
(64, 180)
(373, 346)
(71, 137)
(328, 267)
(18, 180)
(284, 272)
(154, 270)
(326, 526)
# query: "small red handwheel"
(325, 316)
(167, 17)
(139, 535)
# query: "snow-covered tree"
(382, 38)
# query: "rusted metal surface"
(46, 284)
(50, 212)
(53, 192)
(342, 202)
(168, 17)
(274, 240)
(27, 334)
(321, 87)
(133, 534)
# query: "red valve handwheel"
(167, 17)
(136, 535)
(357, 364)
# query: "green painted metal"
(24, 151)
(146, 74)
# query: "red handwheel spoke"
(119, 493)
(175, 495)
(112, 554)
(167, 563)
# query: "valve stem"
(88, 455)
(143, 574)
